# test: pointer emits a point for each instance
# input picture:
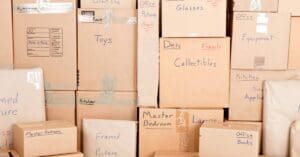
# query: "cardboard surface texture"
(194, 73)
(175, 154)
(255, 5)
(281, 105)
(30, 139)
(105, 60)
(172, 130)
(79, 154)
(295, 139)
(24, 102)
(294, 51)
(13, 153)
(49, 44)
(289, 6)
(260, 41)
(60, 105)
(194, 18)
(109, 138)
(233, 140)
(6, 46)
(246, 92)
(148, 52)
(106, 4)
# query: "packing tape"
(35, 78)
(262, 21)
(255, 5)
(45, 7)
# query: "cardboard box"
(13, 153)
(246, 92)
(194, 18)
(109, 138)
(294, 139)
(289, 6)
(294, 51)
(21, 100)
(233, 140)
(31, 139)
(172, 129)
(49, 44)
(175, 154)
(194, 72)
(107, 4)
(281, 109)
(260, 41)
(148, 52)
(105, 105)
(6, 46)
(60, 105)
(255, 5)
(105, 60)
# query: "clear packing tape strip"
(262, 22)
(255, 5)
(45, 7)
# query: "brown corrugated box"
(255, 5)
(294, 51)
(194, 72)
(45, 36)
(119, 4)
(289, 6)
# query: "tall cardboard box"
(260, 41)
(194, 72)
(106, 4)
(255, 5)
(148, 52)
(60, 105)
(21, 100)
(231, 140)
(45, 138)
(109, 138)
(289, 6)
(246, 92)
(106, 61)
(172, 129)
(105, 105)
(49, 44)
(194, 18)
(189, 16)
(175, 154)
(294, 51)
(6, 46)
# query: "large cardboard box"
(6, 46)
(172, 129)
(246, 92)
(109, 138)
(289, 6)
(45, 138)
(255, 5)
(260, 41)
(107, 4)
(105, 105)
(148, 52)
(294, 51)
(194, 72)
(281, 109)
(49, 44)
(13, 153)
(60, 105)
(175, 154)
(21, 100)
(105, 60)
(194, 18)
(232, 140)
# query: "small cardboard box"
(45, 138)
(109, 138)
(232, 140)
(175, 154)
(148, 52)
(105, 105)
(194, 18)
(60, 105)
(246, 92)
(21, 99)
(49, 44)
(255, 5)
(172, 129)
(289, 6)
(108, 4)
(260, 41)
(6, 46)
(194, 72)
(294, 51)
(105, 60)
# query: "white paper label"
(45, 7)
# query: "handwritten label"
(195, 62)
(32, 134)
(255, 39)
(253, 98)
(160, 120)
(147, 4)
(171, 45)
(246, 77)
(184, 7)
(244, 138)
(13, 100)
(107, 138)
(86, 101)
(107, 1)
(100, 39)
(244, 17)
